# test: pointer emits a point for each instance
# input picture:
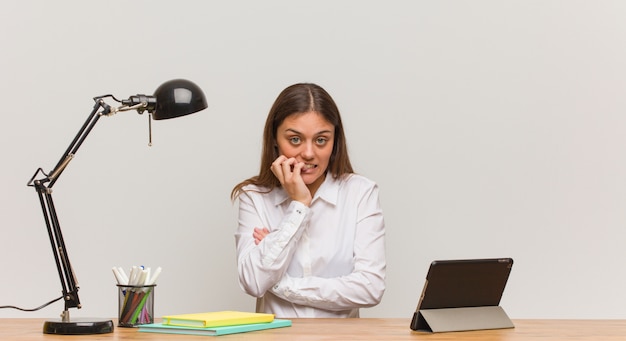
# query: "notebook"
(213, 331)
(217, 319)
(463, 284)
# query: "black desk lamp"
(174, 98)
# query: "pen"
(154, 277)
(123, 275)
(118, 276)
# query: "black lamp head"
(176, 98)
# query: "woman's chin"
(310, 179)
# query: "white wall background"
(494, 128)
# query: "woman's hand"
(287, 170)
(259, 234)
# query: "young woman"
(311, 235)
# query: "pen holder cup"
(135, 305)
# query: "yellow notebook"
(216, 319)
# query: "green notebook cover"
(212, 331)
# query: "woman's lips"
(308, 167)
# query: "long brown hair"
(298, 99)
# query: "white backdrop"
(494, 128)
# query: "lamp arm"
(43, 186)
(78, 140)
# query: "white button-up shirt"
(326, 260)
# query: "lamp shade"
(176, 98)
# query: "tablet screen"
(465, 283)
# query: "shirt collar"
(328, 191)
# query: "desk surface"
(352, 329)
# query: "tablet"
(464, 283)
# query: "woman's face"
(309, 138)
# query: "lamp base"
(78, 327)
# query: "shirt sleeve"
(364, 287)
(261, 266)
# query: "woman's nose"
(307, 151)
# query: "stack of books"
(215, 323)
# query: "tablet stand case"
(460, 319)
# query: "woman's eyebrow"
(291, 130)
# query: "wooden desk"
(352, 329)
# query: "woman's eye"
(295, 140)
(321, 140)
